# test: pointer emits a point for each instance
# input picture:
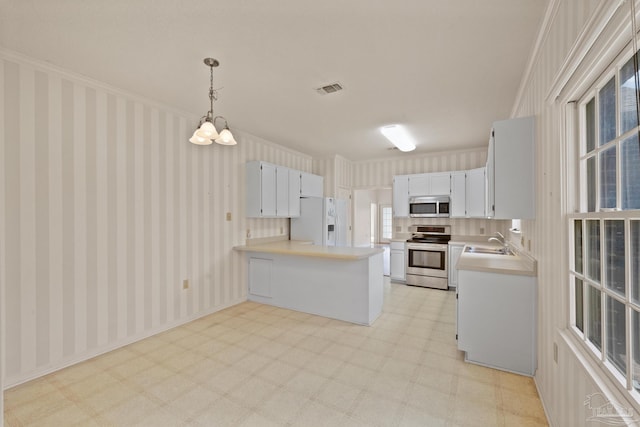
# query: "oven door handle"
(427, 247)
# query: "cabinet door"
(397, 265)
(311, 185)
(440, 184)
(252, 190)
(454, 255)
(458, 207)
(260, 190)
(401, 196)
(476, 195)
(490, 302)
(294, 193)
(268, 189)
(490, 176)
(260, 276)
(419, 185)
(514, 154)
(282, 191)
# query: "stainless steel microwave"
(429, 206)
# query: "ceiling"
(444, 69)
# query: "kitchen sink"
(489, 251)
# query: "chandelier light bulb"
(226, 138)
(195, 139)
(207, 130)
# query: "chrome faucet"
(500, 239)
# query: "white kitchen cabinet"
(511, 169)
(260, 189)
(439, 184)
(455, 249)
(282, 191)
(398, 262)
(272, 191)
(458, 208)
(311, 185)
(430, 184)
(260, 277)
(497, 320)
(287, 192)
(294, 193)
(401, 196)
(419, 184)
(476, 197)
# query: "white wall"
(362, 200)
(105, 208)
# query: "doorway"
(372, 220)
(381, 223)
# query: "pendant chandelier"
(207, 132)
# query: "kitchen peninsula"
(344, 283)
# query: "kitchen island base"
(343, 289)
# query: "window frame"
(579, 187)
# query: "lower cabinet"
(398, 266)
(455, 249)
(497, 320)
(260, 276)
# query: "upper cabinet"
(294, 193)
(468, 196)
(311, 185)
(261, 189)
(401, 196)
(430, 184)
(476, 193)
(439, 184)
(458, 208)
(274, 191)
(511, 169)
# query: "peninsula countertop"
(302, 248)
(518, 264)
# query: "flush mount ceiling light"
(207, 132)
(399, 137)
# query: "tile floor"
(257, 365)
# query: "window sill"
(605, 381)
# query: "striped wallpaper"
(564, 385)
(105, 209)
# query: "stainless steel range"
(426, 256)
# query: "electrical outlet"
(481, 230)
(185, 284)
(228, 216)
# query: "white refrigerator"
(322, 221)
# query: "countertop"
(301, 248)
(518, 264)
(463, 240)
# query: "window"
(605, 234)
(387, 220)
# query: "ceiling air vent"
(330, 88)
